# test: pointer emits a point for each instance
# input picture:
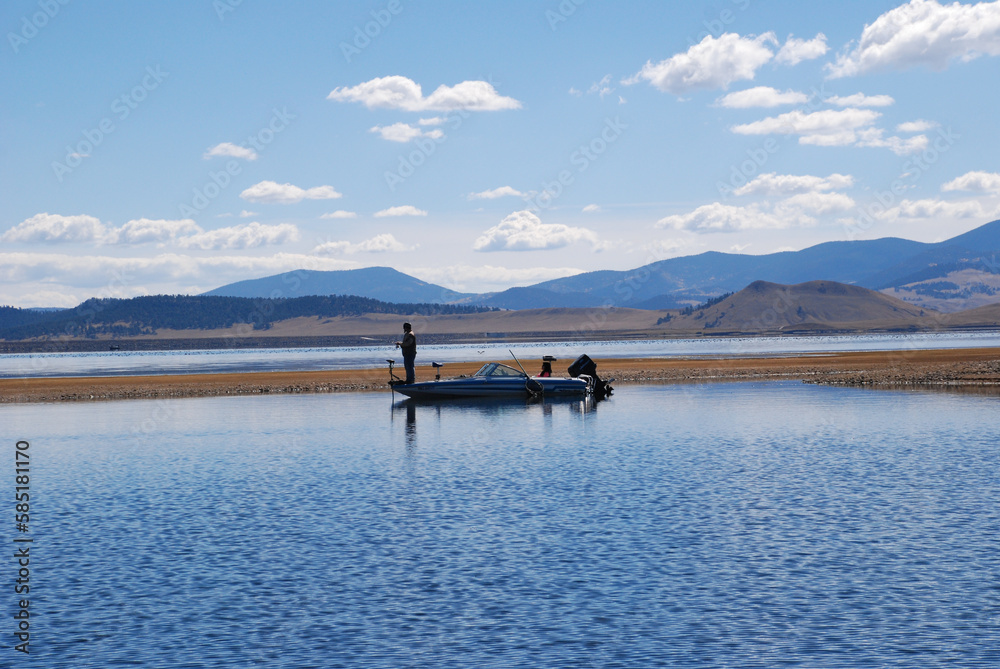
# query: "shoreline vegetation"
(972, 369)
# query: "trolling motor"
(437, 370)
(393, 379)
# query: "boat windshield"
(496, 369)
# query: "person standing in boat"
(409, 349)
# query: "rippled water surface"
(722, 525)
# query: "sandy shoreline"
(973, 368)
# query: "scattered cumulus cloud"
(718, 217)
(434, 120)
(524, 231)
(791, 184)
(247, 213)
(398, 92)
(831, 127)
(591, 208)
(403, 210)
(981, 182)
(403, 132)
(58, 229)
(811, 124)
(602, 87)
(383, 243)
(270, 192)
(931, 208)
(146, 275)
(229, 150)
(145, 230)
(916, 126)
(238, 237)
(340, 213)
(761, 96)
(923, 32)
(502, 191)
(713, 63)
(795, 50)
(488, 278)
(861, 100)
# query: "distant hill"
(378, 283)
(146, 315)
(881, 264)
(814, 305)
(958, 273)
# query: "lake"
(701, 525)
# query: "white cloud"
(591, 208)
(923, 32)
(935, 209)
(404, 210)
(488, 278)
(829, 127)
(794, 51)
(502, 191)
(816, 204)
(270, 192)
(771, 183)
(145, 230)
(899, 146)
(58, 229)
(397, 92)
(713, 63)
(129, 276)
(916, 126)
(403, 132)
(524, 231)
(434, 120)
(248, 236)
(383, 243)
(982, 182)
(826, 122)
(247, 214)
(717, 217)
(861, 100)
(229, 150)
(761, 96)
(340, 213)
(602, 87)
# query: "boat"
(495, 379)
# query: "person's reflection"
(411, 425)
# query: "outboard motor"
(584, 365)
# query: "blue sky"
(172, 147)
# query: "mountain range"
(953, 275)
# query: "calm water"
(109, 363)
(721, 525)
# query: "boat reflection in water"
(490, 413)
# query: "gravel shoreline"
(948, 368)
